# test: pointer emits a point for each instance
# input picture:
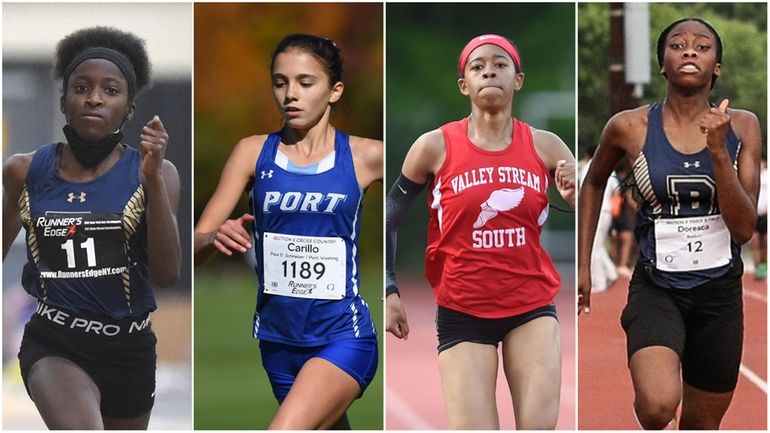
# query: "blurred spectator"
(623, 223)
(603, 270)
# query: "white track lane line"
(400, 409)
(745, 371)
(755, 295)
(753, 378)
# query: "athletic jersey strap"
(682, 237)
(306, 231)
(87, 242)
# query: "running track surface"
(413, 390)
(605, 391)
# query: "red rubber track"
(605, 393)
(413, 391)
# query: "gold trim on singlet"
(25, 213)
(133, 212)
(643, 184)
(132, 217)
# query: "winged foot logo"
(500, 200)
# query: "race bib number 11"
(80, 245)
(304, 266)
(691, 244)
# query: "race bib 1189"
(304, 266)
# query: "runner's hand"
(231, 235)
(584, 292)
(715, 124)
(396, 316)
(152, 144)
(565, 180)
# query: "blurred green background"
(233, 99)
(423, 44)
(742, 27)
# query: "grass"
(231, 388)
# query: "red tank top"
(487, 209)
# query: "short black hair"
(125, 43)
(661, 49)
(324, 50)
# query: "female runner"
(101, 231)
(696, 175)
(489, 174)
(306, 184)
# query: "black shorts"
(762, 224)
(122, 365)
(703, 325)
(455, 327)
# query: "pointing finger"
(155, 123)
(245, 218)
(723, 105)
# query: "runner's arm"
(14, 175)
(422, 161)
(215, 231)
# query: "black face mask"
(91, 154)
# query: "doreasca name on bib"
(691, 229)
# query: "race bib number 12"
(304, 266)
(691, 244)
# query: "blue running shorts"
(356, 357)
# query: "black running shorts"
(703, 325)
(122, 365)
(455, 327)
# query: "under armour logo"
(695, 164)
(269, 174)
(81, 198)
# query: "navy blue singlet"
(87, 242)
(674, 189)
(306, 235)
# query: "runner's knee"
(655, 411)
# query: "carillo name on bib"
(311, 267)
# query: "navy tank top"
(682, 238)
(87, 242)
(306, 231)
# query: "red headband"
(489, 39)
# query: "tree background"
(742, 27)
(233, 99)
(605, 389)
(423, 42)
(423, 45)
